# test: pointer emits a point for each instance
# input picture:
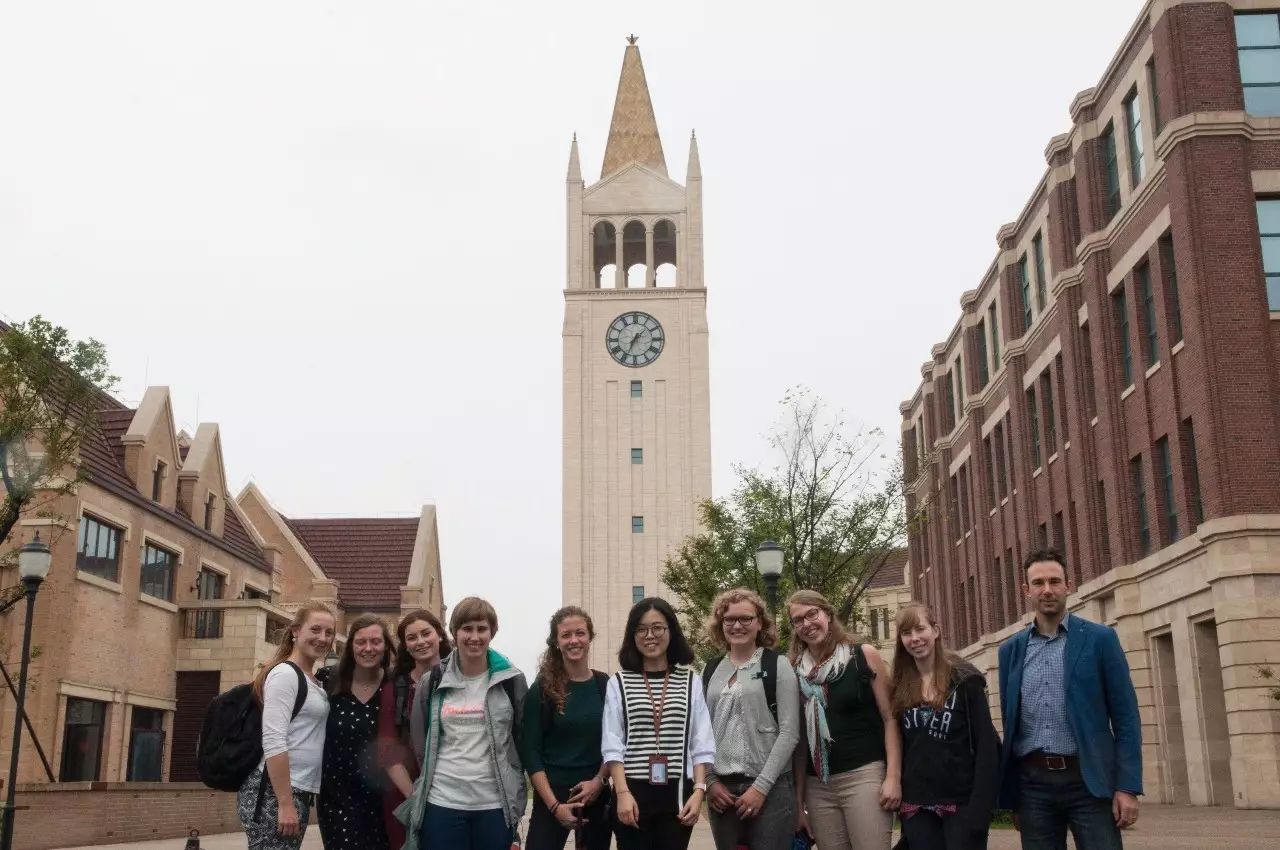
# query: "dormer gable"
(635, 188)
(202, 481)
(151, 454)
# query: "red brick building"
(1112, 388)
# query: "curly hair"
(551, 673)
(766, 637)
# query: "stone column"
(650, 273)
(620, 272)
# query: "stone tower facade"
(637, 400)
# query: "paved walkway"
(1161, 828)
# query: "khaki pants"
(845, 813)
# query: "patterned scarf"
(814, 679)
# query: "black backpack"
(768, 666)
(549, 710)
(230, 743)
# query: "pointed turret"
(633, 133)
(694, 171)
(575, 168)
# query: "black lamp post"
(33, 566)
(769, 563)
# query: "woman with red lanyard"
(421, 643)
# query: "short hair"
(678, 649)
(1042, 555)
(766, 637)
(471, 609)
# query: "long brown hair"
(714, 627)
(287, 641)
(836, 634)
(340, 681)
(906, 686)
(404, 661)
(551, 673)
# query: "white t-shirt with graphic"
(463, 777)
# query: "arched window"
(664, 253)
(633, 253)
(604, 254)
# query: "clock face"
(635, 339)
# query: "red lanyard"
(657, 706)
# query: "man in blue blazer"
(1072, 737)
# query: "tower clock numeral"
(629, 330)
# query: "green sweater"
(568, 751)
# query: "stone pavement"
(1160, 828)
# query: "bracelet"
(556, 806)
(621, 791)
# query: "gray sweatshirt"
(748, 741)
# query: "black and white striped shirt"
(628, 733)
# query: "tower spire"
(633, 132)
(695, 165)
(575, 168)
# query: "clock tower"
(637, 399)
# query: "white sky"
(337, 229)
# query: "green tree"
(50, 386)
(834, 503)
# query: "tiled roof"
(633, 132)
(114, 424)
(369, 558)
(890, 574)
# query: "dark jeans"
(463, 830)
(926, 831)
(546, 833)
(1051, 801)
(659, 828)
(773, 828)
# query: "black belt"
(1051, 762)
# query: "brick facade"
(1041, 435)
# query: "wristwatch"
(700, 786)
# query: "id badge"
(657, 770)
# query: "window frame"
(1141, 514)
(1146, 292)
(1133, 135)
(637, 456)
(1120, 316)
(158, 475)
(1164, 468)
(1050, 427)
(1024, 273)
(1033, 426)
(151, 733)
(82, 539)
(144, 565)
(1112, 200)
(70, 752)
(637, 593)
(1270, 279)
(993, 315)
(984, 366)
(1037, 253)
(637, 524)
(637, 389)
(1241, 50)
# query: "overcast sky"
(337, 229)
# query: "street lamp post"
(33, 566)
(769, 563)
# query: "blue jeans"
(1051, 801)
(463, 830)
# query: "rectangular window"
(1120, 312)
(146, 745)
(874, 618)
(637, 455)
(1037, 251)
(637, 389)
(966, 521)
(1170, 506)
(984, 374)
(157, 481)
(157, 572)
(210, 505)
(949, 388)
(254, 593)
(1133, 125)
(1033, 415)
(1110, 173)
(994, 323)
(990, 471)
(1140, 506)
(207, 623)
(959, 389)
(98, 550)
(1147, 294)
(637, 593)
(1157, 122)
(1086, 345)
(1191, 473)
(1002, 475)
(1258, 49)
(1042, 536)
(82, 740)
(1174, 304)
(1024, 281)
(637, 525)
(1060, 535)
(1269, 233)
(1050, 418)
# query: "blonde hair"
(766, 637)
(470, 609)
(287, 642)
(836, 634)
(906, 687)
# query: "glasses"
(810, 616)
(744, 621)
(656, 630)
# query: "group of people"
(425, 740)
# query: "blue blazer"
(1102, 709)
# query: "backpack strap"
(860, 662)
(602, 684)
(769, 666)
(509, 685)
(301, 698)
(709, 671)
(622, 694)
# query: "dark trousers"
(659, 828)
(463, 830)
(546, 833)
(926, 831)
(1053, 801)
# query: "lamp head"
(33, 560)
(769, 559)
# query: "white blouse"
(303, 737)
